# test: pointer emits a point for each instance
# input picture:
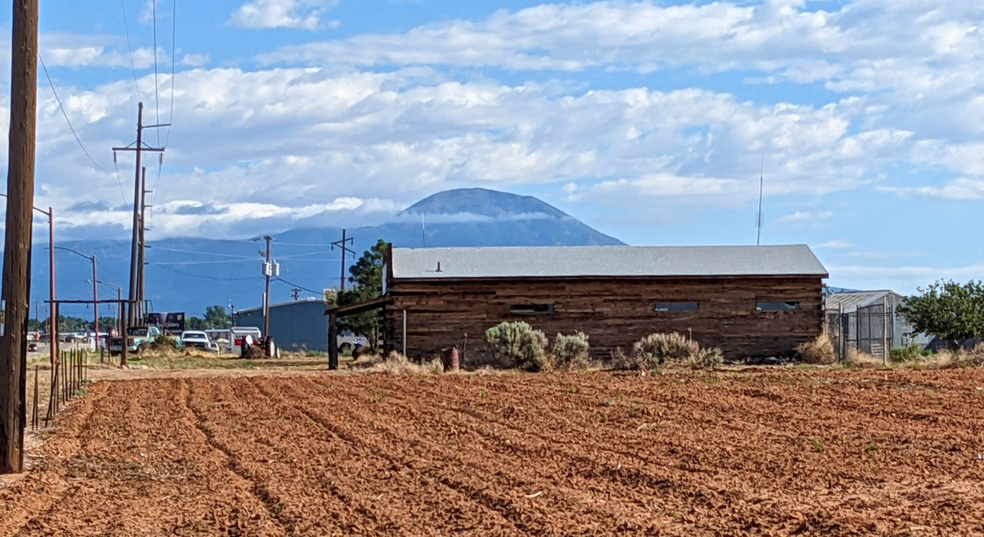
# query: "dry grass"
(961, 358)
(858, 358)
(397, 364)
(819, 351)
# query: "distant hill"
(189, 274)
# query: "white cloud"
(836, 244)
(804, 216)
(963, 188)
(299, 14)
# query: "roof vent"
(439, 266)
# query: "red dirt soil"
(790, 452)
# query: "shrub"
(659, 350)
(707, 358)
(517, 344)
(818, 351)
(907, 353)
(668, 350)
(163, 342)
(571, 352)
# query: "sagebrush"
(672, 349)
(517, 344)
(819, 351)
(571, 352)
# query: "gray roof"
(605, 261)
(850, 300)
(305, 300)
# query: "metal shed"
(295, 326)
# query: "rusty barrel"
(451, 363)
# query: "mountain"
(189, 274)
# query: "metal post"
(404, 332)
(123, 319)
(332, 341)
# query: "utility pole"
(95, 303)
(296, 293)
(141, 242)
(138, 148)
(267, 271)
(16, 286)
(343, 246)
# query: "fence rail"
(66, 381)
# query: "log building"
(750, 301)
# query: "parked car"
(196, 339)
(33, 347)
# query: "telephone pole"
(138, 148)
(295, 293)
(142, 242)
(16, 286)
(267, 271)
(343, 246)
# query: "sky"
(653, 122)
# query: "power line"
(133, 68)
(203, 253)
(174, 33)
(300, 287)
(157, 96)
(206, 277)
(62, 108)
(118, 180)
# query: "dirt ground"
(788, 452)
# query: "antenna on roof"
(758, 225)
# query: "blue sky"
(647, 120)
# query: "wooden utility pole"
(138, 147)
(267, 271)
(343, 246)
(140, 241)
(95, 302)
(295, 293)
(16, 286)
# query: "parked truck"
(135, 337)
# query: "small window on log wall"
(676, 306)
(530, 309)
(776, 306)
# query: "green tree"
(195, 323)
(367, 283)
(948, 310)
(216, 317)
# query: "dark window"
(530, 309)
(676, 306)
(776, 306)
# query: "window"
(675, 306)
(776, 306)
(530, 309)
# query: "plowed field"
(748, 453)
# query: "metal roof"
(851, 300)
(305, 300)
(605, 261)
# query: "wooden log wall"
(614, 312)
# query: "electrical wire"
(174, 33)
(65, 114)
(253, 278)
(133, 68)
(120, 181)
(203, 253)
(157, 95)
(299, 287)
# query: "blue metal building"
(295, 326)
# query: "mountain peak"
(482, 202)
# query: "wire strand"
(205, 277)
(65, 114)
(120, 181)
(299, 287)
(157, 95)
(133, 67)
